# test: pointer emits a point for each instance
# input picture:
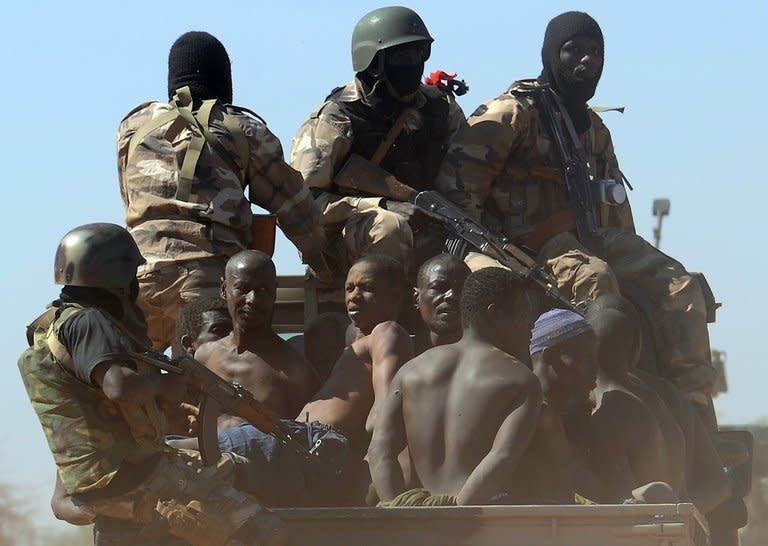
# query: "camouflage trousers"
(192, 502)
(163, 291)
(376, 231)
(677, 300)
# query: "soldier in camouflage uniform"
(183, 168)
(101, 412)
(505, 169)
(389, 48)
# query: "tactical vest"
(416, 154)
(198, 191)
(89, 436)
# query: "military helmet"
(383, 28)
(98, 256)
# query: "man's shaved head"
(250, 259)
(448, 260)
(388, 267)
(250, 289)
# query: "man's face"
(370, 298)
(214, 325)
(581, 58)
(577, 368)
(438, 296)
(250, 289)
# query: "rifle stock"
(495, 246)
(219, 396)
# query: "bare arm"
(65, 509)
(389, 439)
(390, 347)
(510, 443)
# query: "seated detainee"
(374, 293)
(631, 442)
(466, 411)
(705, 482)
(253, 354)
(323, 341)
(563, 359)
(200, 321)
(439, 284)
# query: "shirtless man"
(563, 359)
(439, 284)
(466, 411)
(634, 438)
(349, 399)
(201, 321)
(253, 355)
(705, 482)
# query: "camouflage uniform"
(187, 240)
(345, 124)
(504, 170)
(94, 442)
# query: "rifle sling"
(394, 132)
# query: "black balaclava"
(199, 60)
(574, 93)
(394, 76)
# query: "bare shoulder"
(388, 331)
(207, 352)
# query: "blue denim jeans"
(277, 475)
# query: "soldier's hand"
(408, 211)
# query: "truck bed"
(599, 525)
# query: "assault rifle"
(217, 396)
(577, 177)
(495, 246)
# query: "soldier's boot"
(228, 519)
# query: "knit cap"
(556, 326)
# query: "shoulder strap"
(182, 117)
(394, 131)
(57, 348)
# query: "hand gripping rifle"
(495, 246)
(217, 396)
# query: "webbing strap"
(198, 125)
(182, 117)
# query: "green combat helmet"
(384, 28)
(98, 256)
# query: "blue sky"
(693, 131)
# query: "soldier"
(183, 168)
(101, 412)
(506, 169)
(384, 132)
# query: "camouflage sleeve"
(318, 151)
(277, 187)
(478, 151)
(128, 127)
(608, 167)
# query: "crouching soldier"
(378, 138)
(103, 415)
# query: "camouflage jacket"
(345, 124)
(504, 169)
(216, 218)
(89, 436)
